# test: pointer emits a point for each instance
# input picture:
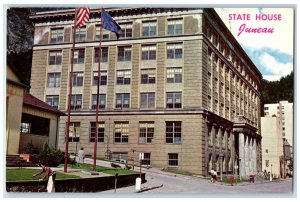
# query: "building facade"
(176, 86)
(284, 111)
(272, 146)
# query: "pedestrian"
(81, 157)
(213, 175)
(49, 174)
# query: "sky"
(272, 53)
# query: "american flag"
(83, 15)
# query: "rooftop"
(32, 101)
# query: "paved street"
(180, 184)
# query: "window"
(79, 56)
(74, 132)
(149, 28)
(77, 78)
(174, 100)
(121, 132)
(76, 102)
(34, 125)
(122, 100)
(55, 57)
(57, 35)
(146, 132)
(148, 76)
(124, 53)
(52, 100)
(146, 160)
(102, 101)
(267, 151)
(149, 52)
(175, 26)
(104, 55)
(126, 30)
(173, 132)
(174, 75)
(103, 78)
(25, 128)
(80, 34)
(147, 100)
(53, 80)
(266, 108)
(123, 77)
(101, 127)
(267, 163)
(105, 34)
(173, 159)
(174, 51)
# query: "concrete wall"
(37, 140)
(96, 184)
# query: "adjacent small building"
(39, 123)
(272, 145)
(28, 119)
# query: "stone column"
(213, 133)
(247, 159)
(233, 151)
(242, 154)
(227, 155)
(250, 155)
(254, 156)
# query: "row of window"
(121, 132)
(147, 100)
(229, 54)
(174, 51)
(172, 158)
(149, 28)
(123, 77)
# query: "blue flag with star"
(110, 24)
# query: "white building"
(272, 145)
(284, 111)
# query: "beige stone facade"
(205, 88)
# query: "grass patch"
(20, 174)
(180, 172)
(236, 180)
(111, 171)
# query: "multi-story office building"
(176, 86)
(284, 111)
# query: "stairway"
(17, 161)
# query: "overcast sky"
(272, 53)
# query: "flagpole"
(98, 89)
(70, 94)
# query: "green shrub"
(50, 156)
(31, 149)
